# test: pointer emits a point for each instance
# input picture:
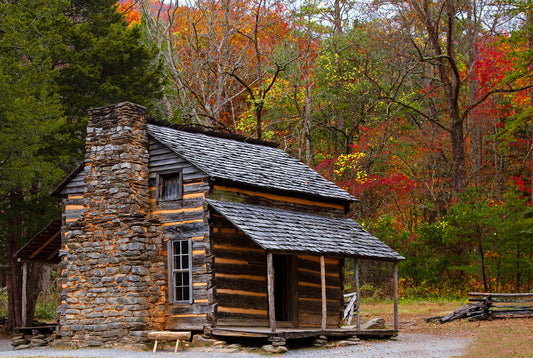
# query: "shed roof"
(43, 247)
(281, 230)
(247, 163)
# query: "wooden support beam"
(270, 287)
(52, 238)
(357, 294)
(395, 283)
(323, 295)
(24, 291)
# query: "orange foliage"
(132, 16)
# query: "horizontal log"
(168, 336)
(279, 197)
(199, 260)
(242, 311)
(228, 247)
(178, 211)
(501, 294)
(312, 265)
(315, 292)
(240, 292)
(242, 322)
(242, 283)
(180, 223)
(306, 276)
(190, 323)
(233, 239)
(246, 255)
(315, 307)
(305, 319)
(317, 259)
(258, 302)
(194, 229)
(194, 309)
(232, 269)
(230, 261)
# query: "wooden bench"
(179, 337)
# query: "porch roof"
(279, 230)
(44, 246)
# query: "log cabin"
(173, 228)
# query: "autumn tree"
(436, 30)
(220, 57)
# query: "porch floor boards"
(294, 333)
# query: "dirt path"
(407, 345)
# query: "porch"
(297, 333)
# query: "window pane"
(176, 255)
(184, 247)
(181, 270)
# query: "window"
(180, 280)
(168, 186)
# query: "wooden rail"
(488, 305)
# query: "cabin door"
(285, 287)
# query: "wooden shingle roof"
(279, 230)
(247, 163)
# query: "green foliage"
(46, 308)
(31, 115)
(105, 61)
(57, 59)
(480, 243)
(3, 301)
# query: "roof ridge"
(209, 131)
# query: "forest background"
(421, 109)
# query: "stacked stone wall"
(112, 274)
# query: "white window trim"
(171, 284)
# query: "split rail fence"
(487, 306)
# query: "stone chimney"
(109, 265)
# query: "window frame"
(160, 182)
(172, 270)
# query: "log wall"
(309, 291)
(240, 267)
(239, 275)
(253, 197)
(184, 219)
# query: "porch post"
(357, 294)
(270, 288)
(323, 284)
(24, 290)
(395, 280)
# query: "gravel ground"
(407, 345)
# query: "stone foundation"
(112, 275)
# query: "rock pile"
(34, 340)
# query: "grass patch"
(498, 338)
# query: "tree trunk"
(35, 274)
(14, 288)
(337, 17)
(458, 154)
(482, 255)
(14, 281)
